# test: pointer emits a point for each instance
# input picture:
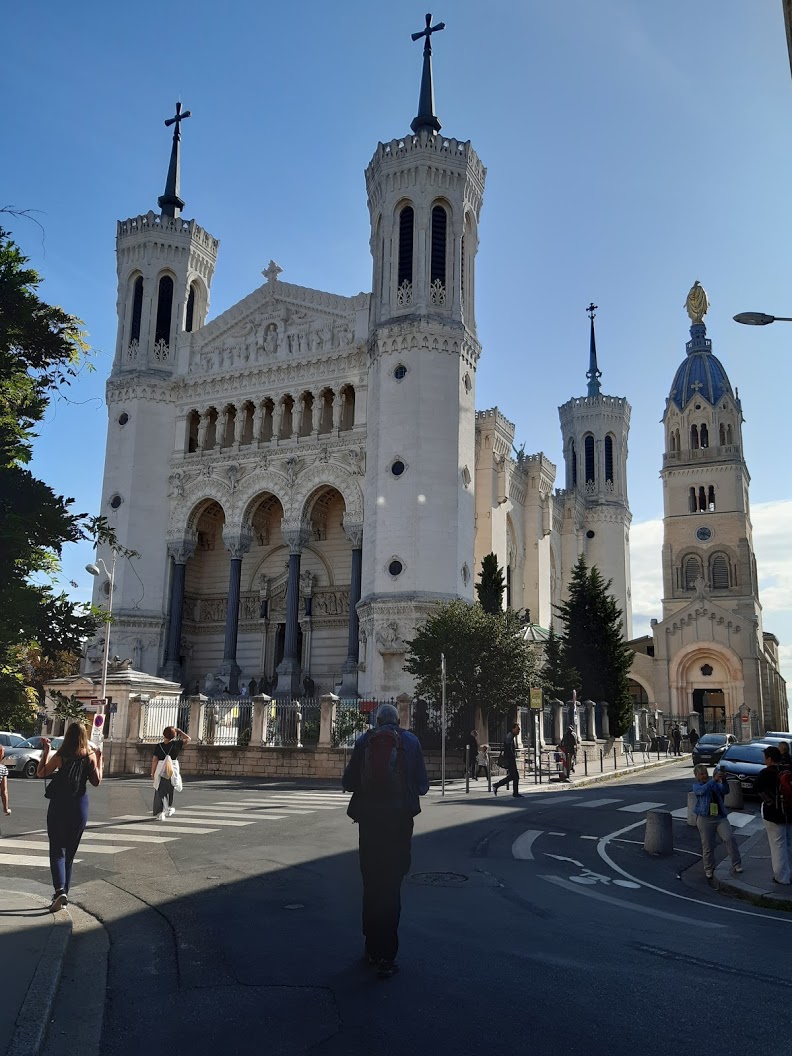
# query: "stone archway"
(706, 678)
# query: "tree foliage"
(491, 585)
(488, 663)
(560, 679)
(594, 646)
(41, 348)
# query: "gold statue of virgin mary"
(697, 303)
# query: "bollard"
(602, 762)
(734, 800)
(467, 768)
(615, 758)
(658, 838)
(585, 762)
(691, 817)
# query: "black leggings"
(163, 792)
(66, 821)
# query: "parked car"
(56, 742)
(744, 761)
(772, 738)
(711, 747)
(10, 740)
(23, 758)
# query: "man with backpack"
(775, 790)
(386, 776)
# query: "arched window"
(164, 308)
(193, 423)
(437, 280)
(711, 498)
(719, 572)
(694, 437)
(406, 238)
(729, 435)
(704, 435)
(678, 440)
(702, 499)
(189, 315)
(691, 571)
(573, 462)
(137, 309)
(722, 435)
(609, 459)
(672, 442)
(692, 501)
(463, 292)
(589, 451)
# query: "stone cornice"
(429, 334)
(139, 386)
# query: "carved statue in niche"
(176, 485)
(290, 468)
(306, 583)
(250, 607)
(137, 654)
(356, 461)
(271, 339)
(388, 640)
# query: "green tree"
(70, 708)
(41, 349)
(488, 663)
(594, 644)
(559, 678)
(490, 586)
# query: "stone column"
(181, 550)
(316, 413)
(558, 720)
(605, 720)
(203, 425)
(277, 418)
(403, 702)
(237, 543)
(289, 667)
(261, 703)
(591, 717)
(258, 415)
(338, 402)
(354, 533)
(298, 410)
(194, 726)
(326, 717)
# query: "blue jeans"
(66, 821)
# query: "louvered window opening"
(439, 229)
(406, 235)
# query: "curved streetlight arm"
(760, 318)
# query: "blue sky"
(631, 148)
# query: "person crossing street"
(509, 762)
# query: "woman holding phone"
(74, 764)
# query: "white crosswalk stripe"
(599, 803)
(147, 827)
(184, 819)
(640, 808)
(28, 859)
(12, 842)
(126, 837)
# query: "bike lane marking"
(622, 903)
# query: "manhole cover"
(440, 879)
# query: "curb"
(746, 892)
(34, 1015)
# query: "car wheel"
(30, 768)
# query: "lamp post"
(760, 318)
(110, 573)
(442, 722)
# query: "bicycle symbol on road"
(588, 876)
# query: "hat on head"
(387, 713)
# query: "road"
(535, 924)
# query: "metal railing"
(159, 712)
(350, 721)
(292, 723)
(226, 721)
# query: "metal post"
(489, 773)
(615, 757)
(299, 729)
(602, 762)
(585, 762)
(467, 768)
(442, 722)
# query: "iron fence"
(353, 717)
(226, 721)
(159, 712)
(292, 723)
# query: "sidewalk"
(755, 883)
(33, 943)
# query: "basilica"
(306, 475)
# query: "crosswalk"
(127, 832)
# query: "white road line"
(185, 819)
(639, 808)
(589, 837)
(602, 851)
(282, 807)
(556, 834)
(521, 848)
(220, 812)
(147, 827)
(739, 820)
(28, 859)
(40, 845)
(680, 813)
(127, 837)
(275, 814)
(624, 903)
(303, 805)
(598, 803)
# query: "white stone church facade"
(306, 475)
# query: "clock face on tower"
(703, 533)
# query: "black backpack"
(69, 781)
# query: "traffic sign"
(536, 698)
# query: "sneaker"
(161, 816)
(385, 969)
(517, 795)
(59, 901)
(495, 789)
(170, 812)
(737, 868)
(708, 874)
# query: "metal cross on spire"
(427, 119)
(593, 373)
(170, 203)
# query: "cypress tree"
(491, 586)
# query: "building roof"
(534, 634)
(702, 374)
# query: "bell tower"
(595, 429)
(165, 266)
(425, 192)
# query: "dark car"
(711, 747)
(744, 761)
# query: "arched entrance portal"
(707, 680)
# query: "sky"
(631, 149)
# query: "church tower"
(595, 428)
(424, 195)
(165, 266)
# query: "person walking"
(785, 762)
(693, 737)
(569, 742)
(472, 755)
(711, 818)
(74, 764)
(169, 748)
(386, 775)
(509, 755)
(676, 739)
(4, 783)
(483, 760)
(776, 814)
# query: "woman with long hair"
(74, 764)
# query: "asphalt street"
(537, 923)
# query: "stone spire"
(170, 203)
(593, 373)
(426, 118)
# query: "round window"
(400, 372)
(395, 568)
(703, 533)
(589, 534)
(123, 418)
(116, 501)
(398, 468)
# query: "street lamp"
(95, 571)
(760, 318)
